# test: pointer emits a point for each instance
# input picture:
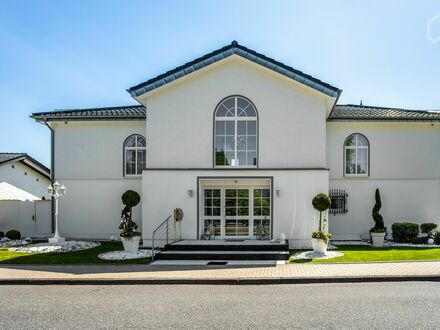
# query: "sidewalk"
(150, 274)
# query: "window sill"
(354, 176)
(132, 176)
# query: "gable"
(221, 54)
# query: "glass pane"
(266, 211)
(216, 193)
(220, 158)
(243, 211)
(243, 202)
(208, 202)
(230, 227)
(265, 201)
(351, 140)
(252, 158)
(242, 159)
(231, 202)
(216, 202)
(130, 161)
(251, 111)
(265, 192)
(220, 143)
(230, 143)
(229, 157)
(230, 128)
(242, 227)
(141, 163)
(229, 103)
(257, 193)
(252, 127)
(221, 111)
(243, 193)
(216, 211)
(208, 193)
(241, 127)
(131, 141)
(208, 211)
(241, 142)
(361, 140)
(251, 143)
(257, 211)
(220, 127)
(231, 211)
(141, 141)
(242, 103)
(231, 193)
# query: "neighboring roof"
(7, 157)
(351, 112)
(8, 192)
(220, 54)
(129, 112)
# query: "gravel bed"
(122, 255)
(314, 255)
(68, 246)
(6, 242)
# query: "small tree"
(321, 203)
(128, 227)
(379, 226)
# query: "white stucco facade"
(300, 153)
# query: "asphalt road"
(408, 305)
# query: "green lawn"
(361, 253)
(89, 256)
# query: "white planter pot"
(319, 246)
(377, 239)
(131, 244)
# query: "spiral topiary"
(379, 226)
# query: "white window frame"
(136, 149)
(356, 148)
(236, 119)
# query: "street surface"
(406, 305)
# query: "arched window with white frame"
(356, 155)
(134, 155)
(235, 133)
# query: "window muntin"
(235, 142)
(356, 154)
(135, 155)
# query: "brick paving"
(278, 272)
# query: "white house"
(237, 139)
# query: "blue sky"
(73, 54)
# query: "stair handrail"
(166, 221)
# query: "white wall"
(89, 162)
(24, 177)
(404, 165)
(30, 218)
(180, 117)
(293, 213)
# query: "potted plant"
(129, 236)
(321, 238)
(378, 232)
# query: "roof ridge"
(382, 107)
(90, 109)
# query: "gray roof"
(351, 112)
(220, 54)
(6, 157)
(130, 112)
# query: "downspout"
(52, 169)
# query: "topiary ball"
(321, 202)
(131, 198)
(13, 234)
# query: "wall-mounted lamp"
(190, 192)
(278, 192)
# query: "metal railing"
(160, 236)
(339, 201)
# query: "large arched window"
(134, 154)
(356, 153)
(235, 133)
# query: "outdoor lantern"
(56, 191)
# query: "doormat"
(217, 263)
(234, 240)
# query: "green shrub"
(437, 237)
(2, 234)
(379, 226)
(426, 228)
(13, 234)
(405, 232)
(130, 198)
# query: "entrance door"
(236, 212)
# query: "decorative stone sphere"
(430, 241)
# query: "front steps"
(224, 251)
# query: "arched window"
(235, 133)
(134, 154)
(357, 152)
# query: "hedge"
(405, 232)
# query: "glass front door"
(236, 213)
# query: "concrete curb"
(207, 281)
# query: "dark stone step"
(223, 255)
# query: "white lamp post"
(56, 191)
